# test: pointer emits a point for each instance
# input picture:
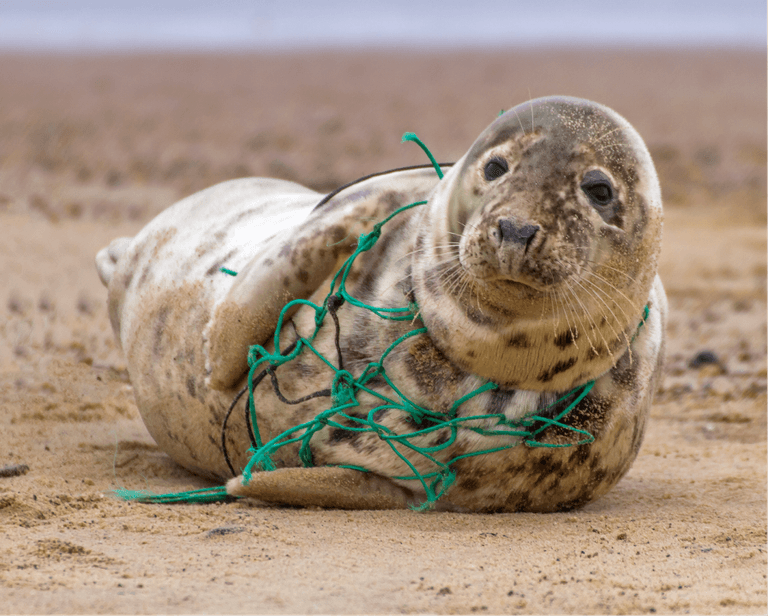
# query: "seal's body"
(531, 264)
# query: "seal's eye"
(597, 186)
(495, 168)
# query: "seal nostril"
(510, 232)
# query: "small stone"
(704, 358)
(14, 470)
(224, 530)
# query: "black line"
(334, 303)
(323, 393)
(333, 193)
(224, 429)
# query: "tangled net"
(345, 387)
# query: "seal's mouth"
(493, 280)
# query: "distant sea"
(167, 25)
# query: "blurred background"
(114, 109)
(240, 25)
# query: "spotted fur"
(518, 275)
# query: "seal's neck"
(511, 334)
(544, 354)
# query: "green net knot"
(367, 240)
(343, 389)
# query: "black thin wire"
(333, 193)
(224, 429)
(322, 393)
(334, 303)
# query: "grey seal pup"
(533, 264)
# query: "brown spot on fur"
(597, 352)
(566, 339)
(519, 341)
(191, 386)
(575, 503)
(624, 373)
(579, 455)
(499, 400)
(144, 275)
(476, 316)
(442, 438)
(335, 234)
(340, 434)
(547, 465)
(431, 370)
(159, 330)
(558, 368)
(220, 263)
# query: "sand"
(92, 147)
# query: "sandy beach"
(92, 147)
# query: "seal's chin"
(521, 283)
(515, 283)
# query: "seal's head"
(540, 245)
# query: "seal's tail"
(107, 258)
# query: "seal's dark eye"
(600, 193)
(495, 168)
(597, 186)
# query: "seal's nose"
(511, 232)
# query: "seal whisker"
(552, 316)
(533, 122)
(452, 280)
(464, 280)
(618, 305)
(447, 273)
(517, 115)
(574, 334)
(612, 268)
(447, 247)
(585, 312)
(608, 322)
(461, 283)
(615, 288)
(609, 296)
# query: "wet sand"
(92, 147)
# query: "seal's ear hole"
(495, 168)
(597, 186)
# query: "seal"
(533, 265)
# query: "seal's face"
(543, 191)
(552, 233)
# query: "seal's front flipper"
(324, 486)
(294, 264)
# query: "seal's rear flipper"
(324, 486)
(107, 258)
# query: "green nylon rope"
(345, 387)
